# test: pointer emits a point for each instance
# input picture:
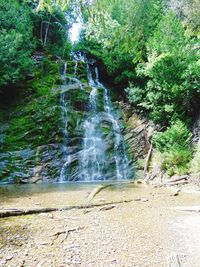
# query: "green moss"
(36, 119)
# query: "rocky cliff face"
(30, 129)
(32, 136)
(196, 131)
(138, 132)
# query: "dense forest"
(100, 133)
(147, 50)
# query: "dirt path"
(142, 233)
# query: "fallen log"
(177, 181)
(19, 212)
(4, 213)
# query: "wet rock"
(37, 150)
(137, 134)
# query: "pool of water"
(20, 190)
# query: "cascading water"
(94, 162)
(64, 104)
(121, 160)
(94, 158)
(74, 37)
(100, 157)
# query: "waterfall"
(94, 160)
(94, 157)
(65, 113)
(74, 34)
(120, 156)
(99, 157)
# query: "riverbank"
(144, 232)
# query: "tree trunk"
(46, 33)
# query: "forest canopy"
(148, 50)
(154, 47)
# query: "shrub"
(176, 161)
(176, 136)
(175, 144)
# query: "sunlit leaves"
(50, 4)
(101, 28)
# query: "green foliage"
(15, 41)
(116, 33)
(50, 30)
(177, 135)
(22, 30)
(145, 43)
(177, 161)
(175, 144)
(173, 71)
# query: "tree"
(16, 41)
(173, 72)
(189, 12)
(121, 29)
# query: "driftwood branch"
(107, 208)
(66, 233)
(189, 209)
(177, 181)
(20, 212)
(97, 190)
(148, 160)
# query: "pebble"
(144, 199)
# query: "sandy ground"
(144, 232)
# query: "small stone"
(175, 194)
(44, 243)
(144, 199)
